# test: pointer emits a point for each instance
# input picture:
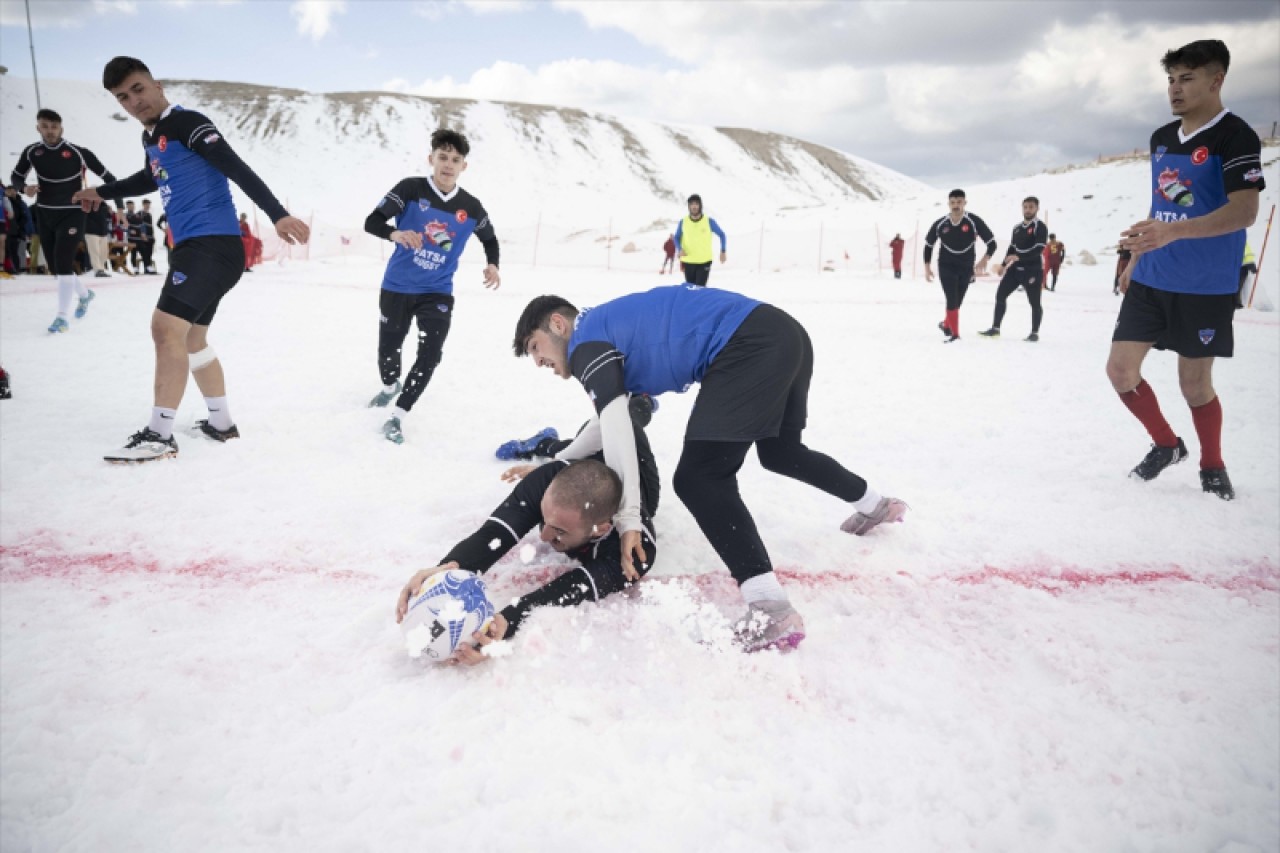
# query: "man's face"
(1193, 88)
(551, 348)
(50, 131)
(695, 209)
(129, 205)
(956, 204)
(446, 166)
(1029, 210)
(142, 97)
(564, 528)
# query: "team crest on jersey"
(1174, 188)
(1206, 335)
(37, 153)
(66, 155)
(1253, 175)
(1160, 151)
(964, 228)
(461, 216)
(438, 233)
(1200, 155)
(163, 144)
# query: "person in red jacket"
(669, 264)
(1055, 252)
(252, 245)
(896, 245)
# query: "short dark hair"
(956, 194)
(537, 315)
(1031, 199)
(47, 114)
(1198, 54)
(117, 70)
(693, 198)
(1053, 236)
(591, 487)
(445, 138)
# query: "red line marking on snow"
(42, 558)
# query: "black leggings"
(955, 283)
(706, 481)
(697, 273)
(60, 234)
(434, 313)
(1030, 279)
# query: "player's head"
(49, 126)
(543, 331)
(579, 504)
(1196, 72)
(146, 204)
(1053, 236)
(129, 80)
(449, 150)
(956, 201)
(129, 204)
(1030, 207)
(695, 205)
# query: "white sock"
(219, 413)
(82, 289)
(867, 503)
(388, 389)
(763, 587)
(162, 421)
(66, 295)
(397, 412)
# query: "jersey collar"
(443, 195)
(1183, 138)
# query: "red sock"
(953, 321)
(1208, 421)
(1146, 408)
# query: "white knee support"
(202, 359)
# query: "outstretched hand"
(414, 585)
(491, 277)
(88, 199)
(470, 654)
(293, 230)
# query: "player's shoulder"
(1233, 127)
(413, 187)
(468, 201)
(1165, 133)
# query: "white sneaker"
(769, 625)
(888, 510)
(145, 445)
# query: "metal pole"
(32, 40)
(1257, 276)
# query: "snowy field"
(200, 654)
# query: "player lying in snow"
(573, 504)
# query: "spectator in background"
(148, 243)
(669, 247)
(19, 231)
(1056, 252)
(133, 236)
(163, 224)
(97, 226)
(896, 246)
(252, 245)
(4, 236)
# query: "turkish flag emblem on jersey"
(1200, 155)
(66, 155)
(964, 228)
(461, 216)
(162, 144)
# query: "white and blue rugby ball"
(450, 607)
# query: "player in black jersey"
(573, 503)
(1022, 268)
(958, 232)
(59, 168)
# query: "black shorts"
(201, 271)
(758, 385)
(1191, 324)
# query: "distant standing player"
(60, 168)
(958, 232)
(189, 162)
(693, 243)
(1054, 253)
(1180, 289)
(1022, 268)
(434, 219)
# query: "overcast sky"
(948, 92)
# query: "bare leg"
(170, 336)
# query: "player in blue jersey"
(755, 363)
(434, 219)
(189, 162)
(1180, 287)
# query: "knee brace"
(202, 359)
